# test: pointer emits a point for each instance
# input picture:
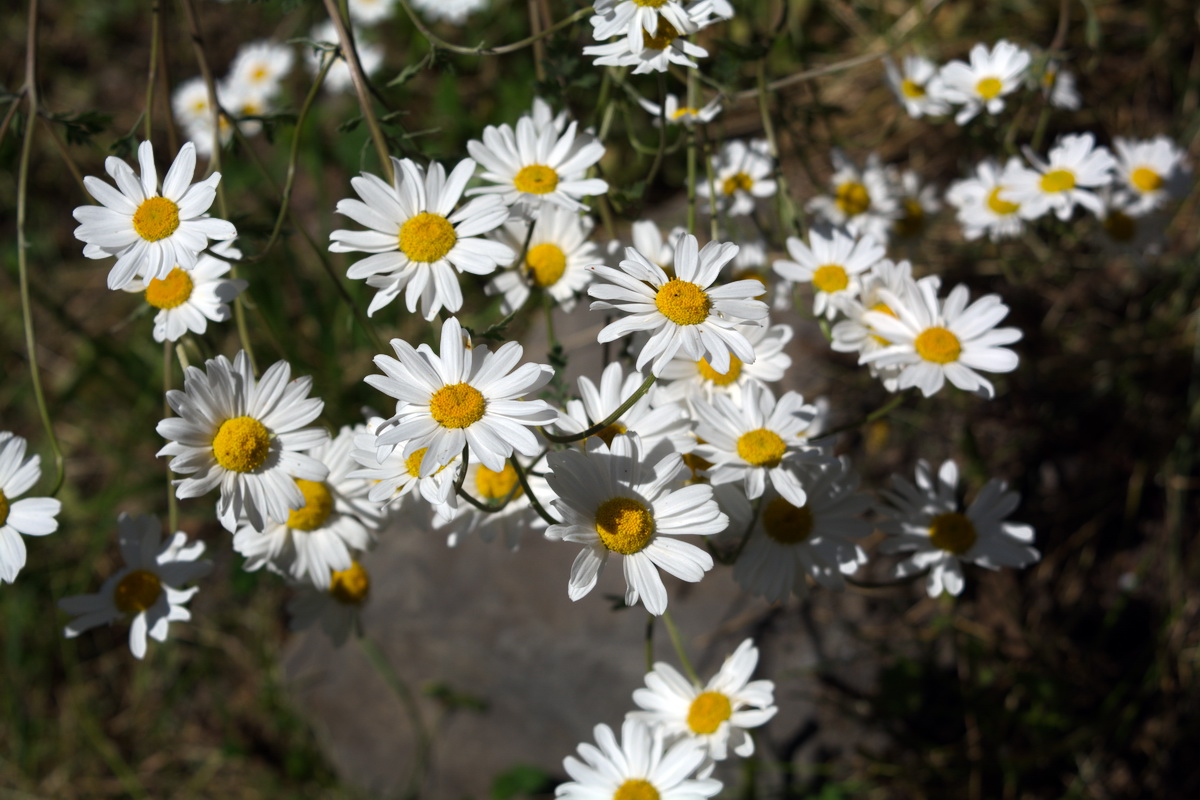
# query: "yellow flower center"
(137, 591)
(457, 406)
(545, 264)
(913, 221)
(536, 179)
(318, 505)
(3, 508)
(989, 88)
(427, 237)
(938, 345)
(737, 181)
(685, 111)
(156, 218)
(625, 525)
(786, 523)
(259, 74)
(1058, 180)
(708, 711)
(682, 302)
(761, 448)
(662, 39)
(492, 485)
(611, 432)
(1145, 179)
(636, 788)
(650, 3)
(694, 462)
(242, 444)
(412, 464)
(720, 378)
(350, 586)
(171, 291)
(952, 532)
(1001, 207)
(1120, 226)
(852, 198)
(830, 278)
(911, 89)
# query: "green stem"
(152, 79)
(599, 426)
(673, 632)
(404, 694)
(434, 40)
(359, 79)
(878, 413)
(533, 501)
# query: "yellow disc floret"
(682, 302)
(458, 406)
(911, 89)
(636, 788)
(171, 291)
(952, 532)
(156, 218)
(852, 198)
(350, 586)
(707, 712)
(830, 278)
(318, 505)
(625, 525)
(3, 508)
(610, 432)
(761, 448)
(1058, 180)
(938, 345)
(545, 264)
(1145, 179)
(989, 88)
(786, 523)
(427, 237)
(242, 444)
(536, 179)
(1000, 206)
(492, 485)
(913, 220)
(735, 182)
(650, 3)
(662, 37)
(720, 378)
(137, 591)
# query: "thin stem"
(691, 156)
(533, 501)
(434, 40)
(599, 426)
(407, 699)
(539, 47)
(673, 632)
(14, 104)
(462, 474)
(878, 413)
(172, 501)
(650, 642)
(809, 74)
(152, 78)
(359, 78)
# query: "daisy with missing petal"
(464, 396)
(33, 516)
(982, 204)
(742, 174)
(334, 610)
(245, 437)
(684, 314)
(1152, 170)
(555, 261)
(862, 200)
(612, 501)
(716, 715)
(394, 477)
(419, 241)
(676, 113)
(186, 301)
(984, 83)
(689, 381)
(1076, 166)
(926, 520)
(832, 264)
(933, 341)
(150, 232)
(148, 590)
(917, 86)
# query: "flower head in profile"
(32, 516)
(675, 112)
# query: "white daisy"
(612, 501)
(1152, 170)
(244, 436)
(683, 314)
(419, 241)
(832, 264)
(687, 380)
(652, 54)
(862, 200)
(261, 66)
(338, 78)
(917, 86)
(716, 715)
(639, 19)
(394, 477)
(676, 113)
(33, 516)
(926, 520)
(186, 301)
(1076, 166)
(1058, 86)
(742, 174)
(368, 12)
(556, 259)
(148, 590)
(981, 201)
(245, 103)
(190, 103)
(984, 83)
(916, 203)
(150, 232)
(336, 609)
(464, 396)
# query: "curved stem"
(407, 699)
(878, 413)
(599, 426)
(673, 632)
(533, 501)
(436, 41)
(359, 78)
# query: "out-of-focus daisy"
(150, 232)
(245, 437)
(984, 83)
(369, 12)
(555, 262)
(33, 516)
(338, 78)
(676, 113)
(190, 103)
(261, 66)
(689, 380)
(648, 239)
(1152, 170)
(742, 174)
(684, 314)
(652, 54)
(419, 240)
(187, 300)
(612, 501)
(543, 116)
(916, 203)
(148, 590)
(927, 520)
(717, 714)
(862, 201)
(453, 11)
(334, 610)
(394, 476)
(981, 201)
(1075, 167)
(916, 86)
(831, 264)
(1058, 85)
(464, 396)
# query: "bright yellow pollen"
(830, 278)
(350, 586)
(242, 444)
(259, 74)
(545, 264)
(171, 291)
(720, 378)
(1059, 180)
(1145, 179)
(913, 221)
(156, 218)
(412, 464)
(989, 88)
(427, 237)
(636, 788)
(662, 38)
(457, 406)
(952, 532)
(852, 198)
(492, 485)
(682, 302)
(137, 591)
(650, 3)
(611, 432)
(685, 111)
(3, 508)
(625, 525)
(708, 711)
(786, 523)
(318, 505)
(1001, 207)
(1120, 226)
(737, 181)
(938, 345)
(911, 89)
(761, 447)
(695, 463)
(536, 179)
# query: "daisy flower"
(652, 54)
(261, 66)
(419, 241)
(1076, 166)
(556, 259)
(190, 103)
(338, 78)
(334, 610)
(677, 113)
(832, 264)
(926, 520)
(640, 767)
(1152, 170)
(862, 199)
(689, 381)
(394, 477)
(33, 516)
(1058, 86)
(529, 167)
(453, 11)
(685, 313)
(916, 86)
(186, 301)
(245, 437)
(934, 341)
(150, 232)
(980, 200)
(368, 12)
(464, 396)
(716, 715)
(916, 203)
(611, 501)
(986, 81)
(147, 590)
(640, 19)
(742, 174)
